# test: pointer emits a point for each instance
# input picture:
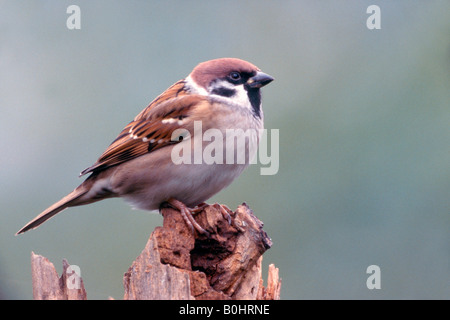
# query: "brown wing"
(152, 128)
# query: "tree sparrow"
(138, 166)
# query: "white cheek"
(194, 88)
(241, 97)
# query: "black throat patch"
(254, 96)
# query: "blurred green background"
(364, 120)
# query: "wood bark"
(48, 286)
(179, 263)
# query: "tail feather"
(68, 201)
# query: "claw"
(226, 212)
(187, 213)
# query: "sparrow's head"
(232, 80)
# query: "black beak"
(259, 80)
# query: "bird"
(221, 94)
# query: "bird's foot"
(187, 214)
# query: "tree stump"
(178, 263)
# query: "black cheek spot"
(225, 92)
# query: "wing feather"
(152, 128)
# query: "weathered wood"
(150, 279)
(48, 286)
(272, 292)
(229, 257)
(178, 263)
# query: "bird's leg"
(186, 213)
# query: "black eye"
(235, 76)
